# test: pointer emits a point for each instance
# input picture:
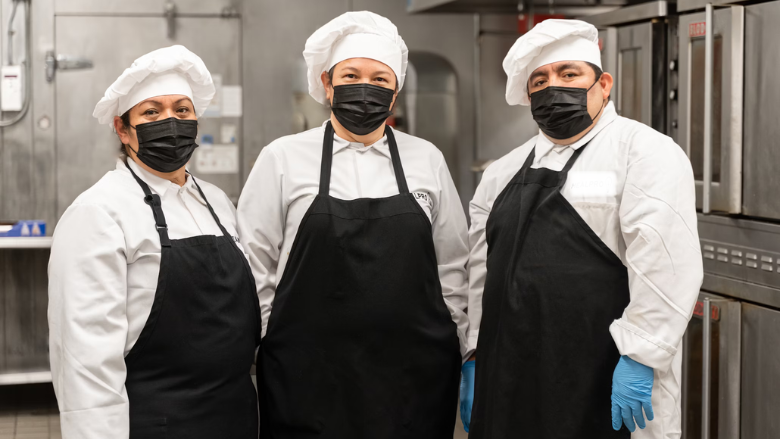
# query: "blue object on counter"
(25, 228)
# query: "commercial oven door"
(762, 111)
(715, 401)
(640, 86)
(726, 102)
(760, 372)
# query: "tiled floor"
(29, 412)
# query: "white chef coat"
(105, 261)
(634, 187)
(285, 180)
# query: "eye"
(350, 76)
(381, 79)
(183, 110)
(150, 112)
(569, 75)
(539, 83)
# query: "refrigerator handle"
(706, 369)
(709, 38)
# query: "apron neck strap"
(211, 209)
(327, 161)
(153, 200)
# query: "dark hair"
(330, 77)
(126, 123)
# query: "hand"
(632, 388)
(466, 393)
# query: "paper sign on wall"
(217, 159)
(232, 105)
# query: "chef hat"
(548, 42)
(170, 71)
(354, 35)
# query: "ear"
(327, 85)
(606, 81)
(121, 130)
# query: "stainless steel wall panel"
(146, 7)
(761, 160)
(760, 372)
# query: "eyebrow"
(182, 100)
(535, 75)
(568, 66)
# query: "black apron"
(360, 344)
(545, 356)
(188, 375)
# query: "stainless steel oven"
(634, 50)
(711, 46)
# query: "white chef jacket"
(105, 261)
(286, 178)
(634, 187)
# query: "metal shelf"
(23, 243)
(43, 376)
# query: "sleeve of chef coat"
(658, 223)
(88, 324)
(261, 220)
(479, 210)
(452, 253)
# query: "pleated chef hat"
(354, 35)
(548, 42)
(169, 71)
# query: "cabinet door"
(87, 150)
(760, 372)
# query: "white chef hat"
(354, 35)
(169, 71)
(548, 42)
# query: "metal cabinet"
(762, 95)
(86, 150)
(724, 142)
(760, 372)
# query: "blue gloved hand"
(466, 393)
(632, 387)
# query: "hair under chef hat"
(169, 71)
(548, 42)
(354, 35)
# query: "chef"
(585, 262)
(153, 317)
(358, 243)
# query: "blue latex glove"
(466, 393)
(632, 387)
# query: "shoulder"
(295, 143)
(643, 143)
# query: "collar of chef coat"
(158, 185)
(381, 146)
(545, 145)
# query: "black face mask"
(562, 112)
(362, 108)
(166, 145)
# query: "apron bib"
(546, 357)
(360, 343)
(188, 375)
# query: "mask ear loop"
(603, 101)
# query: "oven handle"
(706, 369)
(708, 70)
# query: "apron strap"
(327, 161)
(400, 178)
(153, 200)
(564, 174)
(211, 209)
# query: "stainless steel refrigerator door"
(726, 144)
(719, 400)
(762, 111)
(760, 372)
(87, 150)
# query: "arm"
(658, 222)
(479, 210)
(261, 217)
(449, 238)
(88, 324)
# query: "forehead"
(166, 99)
(363, 64)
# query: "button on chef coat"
(105, 261)
(634, 187)
(285, 180)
